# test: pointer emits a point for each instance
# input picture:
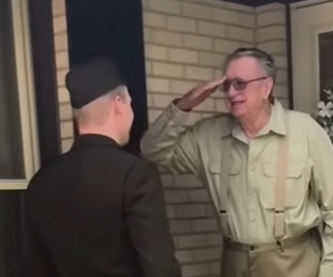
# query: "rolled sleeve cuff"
(326, 271)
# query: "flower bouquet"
(324, 115)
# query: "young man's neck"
(103, 131)
(256, 121)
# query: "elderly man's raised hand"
(198, 94)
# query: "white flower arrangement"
(324, 115)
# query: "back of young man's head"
(100, 100)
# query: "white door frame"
(306, 96)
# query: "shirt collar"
(275, 124)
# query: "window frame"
(27, 102)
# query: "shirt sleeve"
(171, 145)
(147, 222)
(321, 155)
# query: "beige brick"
(158, 84)
(155, 52)
(192, 241)
(60, 42)
(166, 38)
(167, 70)
(198, 42)
(210, 210)
(176, 196)
(181, 87)
(150, 102)
(162, 100)
(199, 73)
(270, 33)
(195, 270)
(269, 7)
(163, 6)
(58, 7)
(148, 67)
(225, 46)
(147, 35)
(241, 34)
(167, 180)
(145, 4)
(63, 95)
(66, 129)
(215, 268)
(208, 254)
(280, 91)
(220, 106)
(66, 144)
(180, 226)
(153, 115)
(181, 24)
(212, 29)
(247, 20)
(61, 74)
(281, 61)
(65, 112)
(190, 211)
(282, 77)
(239, 7)
(183, 56)
(215, 239)
(271, 18)
(59, 24)
(188, 181)
(62, 60)
(274, 47)
(211, 59)
(154, 20)
(204, 225)
(197, 11)
(207, 106)
(199, 195)
(226, 16)
(171, 211)
(184, 256)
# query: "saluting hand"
(199, 94)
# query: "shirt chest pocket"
(295, 185)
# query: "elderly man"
(98, 211)
(268, 170)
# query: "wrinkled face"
(124, 116)
(247, 87)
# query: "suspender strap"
(280, 188)
(224, 185)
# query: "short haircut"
(96, 112)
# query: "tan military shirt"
(309, 185)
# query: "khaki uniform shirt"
(309, 185)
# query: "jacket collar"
(276, 124)
(93, 140)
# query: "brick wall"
(270, 35)
(61, 48)
(186, 42)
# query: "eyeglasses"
(238, 84)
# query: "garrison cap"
(91, 80)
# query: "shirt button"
(253, 219)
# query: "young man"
(98, 211)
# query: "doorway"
(312, 44)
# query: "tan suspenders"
(280, 187)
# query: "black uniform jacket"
(98, 211)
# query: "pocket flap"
(295, 170)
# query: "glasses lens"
(226, 85)
(239, 85)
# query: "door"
(312, 52)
